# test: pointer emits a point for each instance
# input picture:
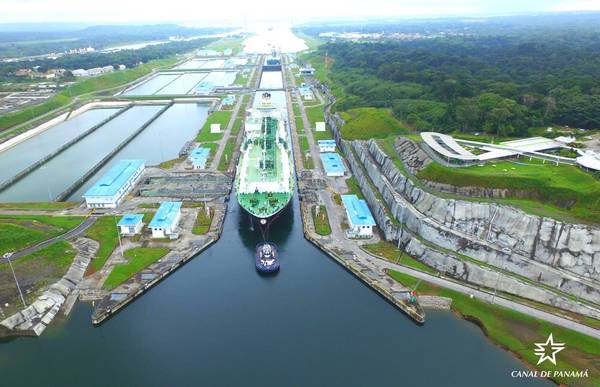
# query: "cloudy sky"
(201, 11)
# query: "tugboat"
(266, 258)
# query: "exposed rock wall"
(498, 235)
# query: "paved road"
(488, 297)
(68, 235)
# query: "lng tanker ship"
(264, 179)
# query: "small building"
(306, 93)
(122, 67)
(333, 164)
(359, 216)
(115, 184)
(165, 221)
(131, 224)
(198, 157)
(228, 52)
(326, 146)
(229, 100)
(307, 71)
(320, 126)
(215, 128)
(80, 73)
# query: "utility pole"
(7, 256)
(118, 235)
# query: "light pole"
(497, 280)
(7, 256)
(118, 233)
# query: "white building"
(80, 73)
(320, 126)
(359, 216)
(326, 146)
(131, 224)
(110, 190)
(164, 224)
(215, 128)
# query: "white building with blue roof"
(360, 220)
(112, 187)
(326, 146)
(165, 221)
(131, 224)
(198, 157)
(333, 164)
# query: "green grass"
(138, 258)
(241, 78)
(367, 123)
(326, 135)
(227, 154)
(555, 190)
(321, 221)
(237, 125)
(307, 160)
(235, 44)
(203, 222)
(517, 332)
(51, 206)
(315, 114)
(20, 231)
(353, 187)
(299, 125)
(390, 252)
(170, 163)
(221, 117)
(104, 231)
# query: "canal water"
(160, 141)
(26, 153)
(216, 322)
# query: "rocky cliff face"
(454, 235)
(498, 235)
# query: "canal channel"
(217, 322)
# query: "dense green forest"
(130, 58)
(488, 81)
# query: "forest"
(130, 58)
(487, 81)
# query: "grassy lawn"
(35, 272)
(203, 222)
(227, 154)
(138, 258)
(536, 186)
(315, 114)
(517, 332)
(241, 78)
(321, 221)
(170, 163)
(307, 160)
(221, 117)
(353, 187)
(104, 231)
(299, 124)
(390, 252)
(20, 231)
(86, 86)
(367, 123)
(235, 44)
(237, 125)
(51, 206)
(326, 135)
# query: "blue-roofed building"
(111, 188)
(198, 157)
(326, 146)
(131, 224)
(204, 88)
(334, 166)
(165, 221)
(360, 220)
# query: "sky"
(236, 11)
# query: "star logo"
(541, 349)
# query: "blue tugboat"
(266, 258)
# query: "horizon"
(240, 12)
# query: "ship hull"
(265, 220)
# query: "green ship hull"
(264, 180)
